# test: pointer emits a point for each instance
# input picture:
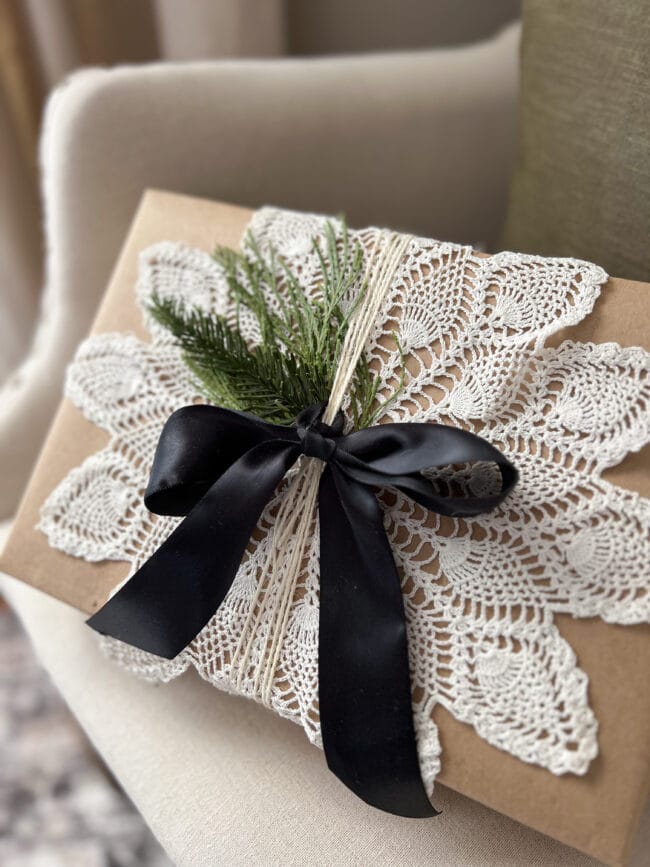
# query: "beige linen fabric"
(222, 781)
(420, 141)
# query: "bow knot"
(220, 468)
(316, 437)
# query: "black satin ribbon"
(220, 468)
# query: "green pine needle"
(301, 337)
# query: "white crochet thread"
(479, 595)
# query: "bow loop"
(197, 445)
(395, 455)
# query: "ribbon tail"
(167, 602)
(364, 684)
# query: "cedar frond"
(301, 337)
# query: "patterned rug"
(58, 807)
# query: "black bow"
(220, 468)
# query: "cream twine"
(293, 522)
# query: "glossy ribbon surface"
(220, 468)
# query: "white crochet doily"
(480, 595)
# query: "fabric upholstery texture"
(582, 183)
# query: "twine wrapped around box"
(295, 516)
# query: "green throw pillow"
(582, 183)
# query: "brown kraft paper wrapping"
(597, 813)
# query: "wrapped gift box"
(596, 813)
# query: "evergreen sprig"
(293, 364)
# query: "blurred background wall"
(42, 41)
